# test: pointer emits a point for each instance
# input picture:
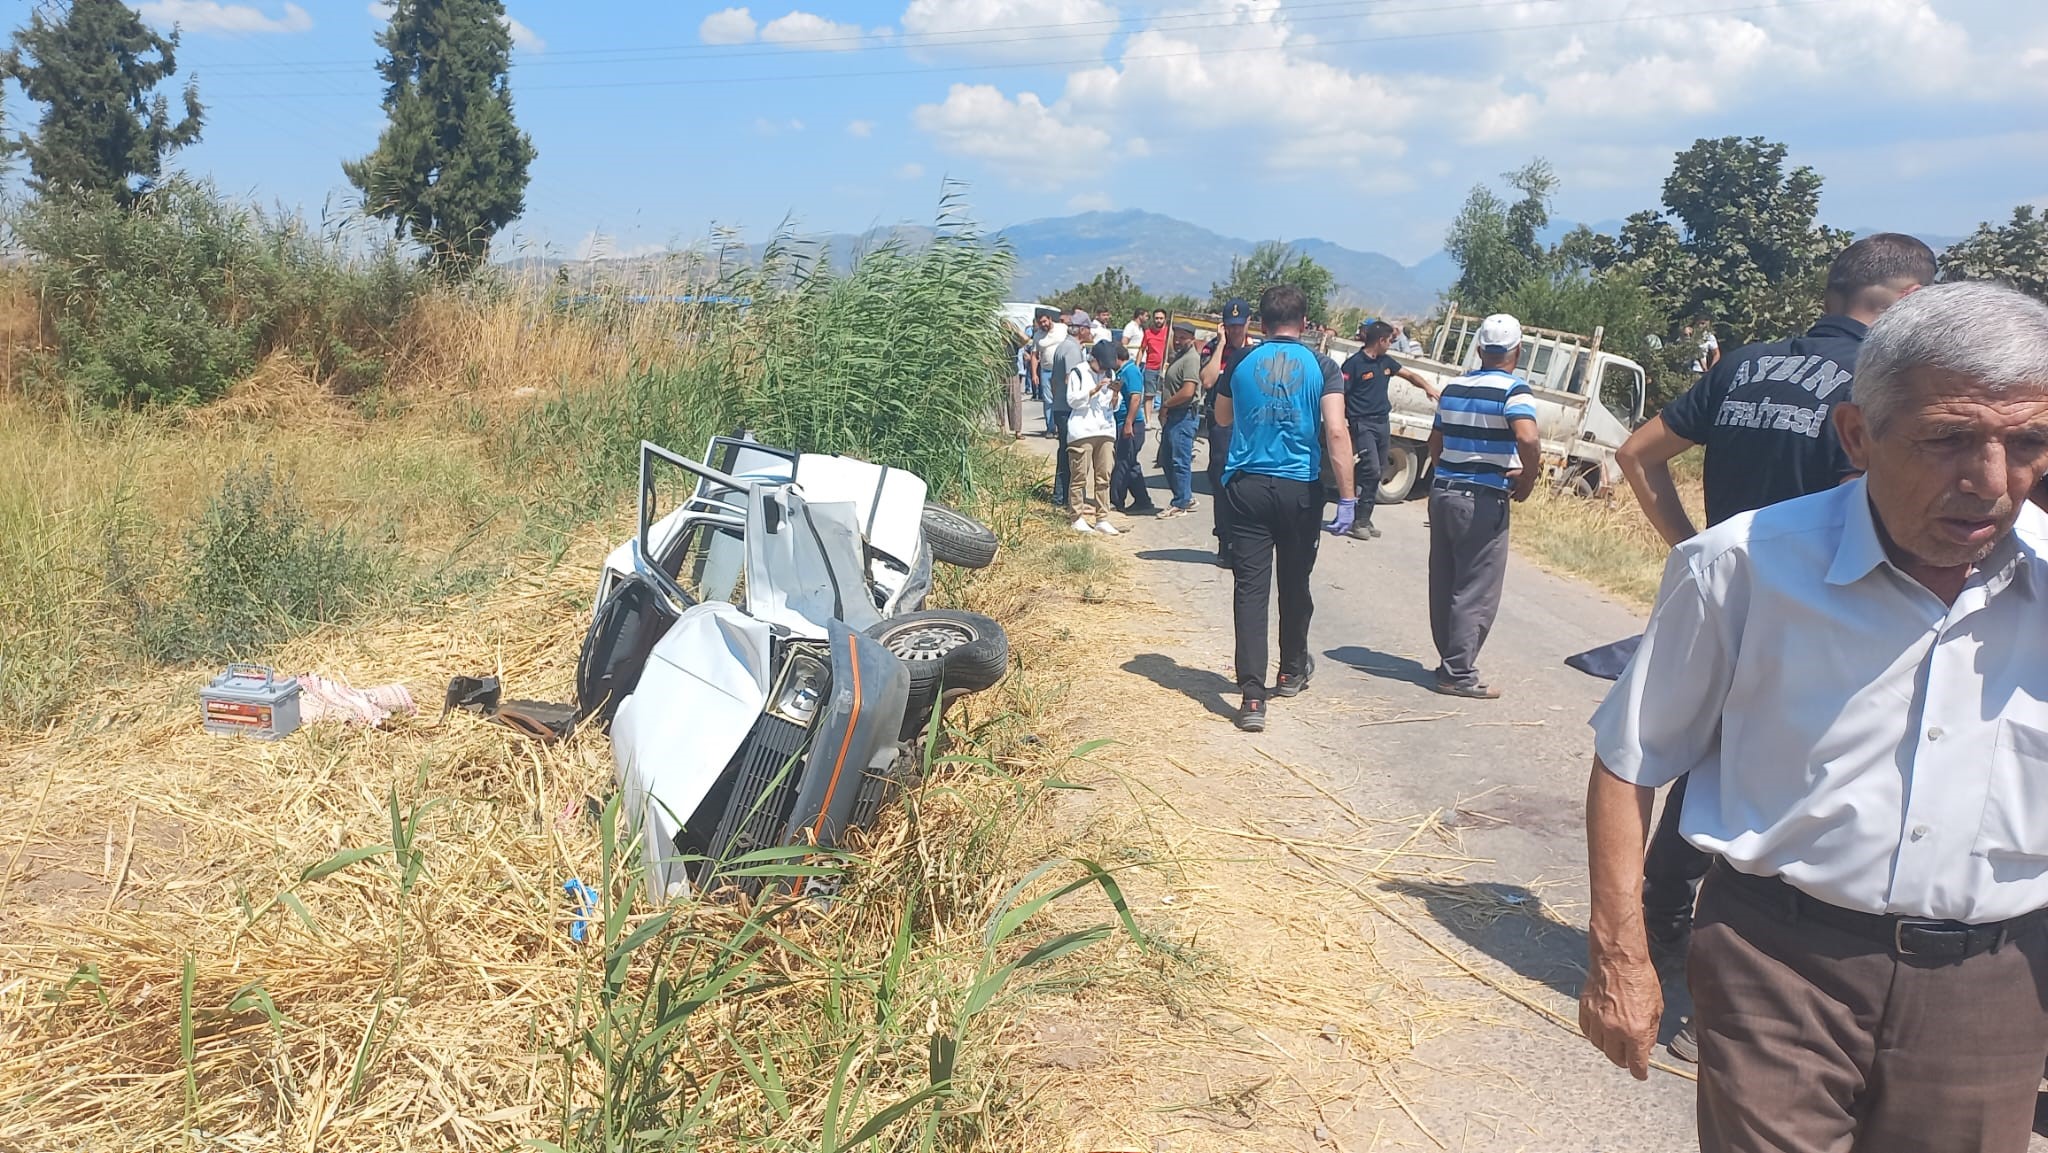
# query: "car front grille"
(765, 773)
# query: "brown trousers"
(1088, 465)
(1817, 1041)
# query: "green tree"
(450, 167)
(1737, 241)
(1271, 263)
(1496, 243)
(104, 129)
(2015, 254)
(1113, 289)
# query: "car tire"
(1402, 474)
(946, 652)
(958, 540)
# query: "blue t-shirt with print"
(1131, 387)
(1276, 396)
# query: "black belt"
(1904, 936)
(1467, 486)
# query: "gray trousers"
(1468, 562)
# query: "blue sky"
(1361, 121)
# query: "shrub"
(258, 569)
(172, 299)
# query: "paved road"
(1509, 774)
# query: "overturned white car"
(762, 654)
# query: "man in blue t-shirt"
(1127, 491)
(1283, 405)
(1487, 453)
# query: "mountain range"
(1164, 254)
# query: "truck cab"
(1587, 400)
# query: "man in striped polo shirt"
(1486, 452)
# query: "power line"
(958, 68)
(877, 41)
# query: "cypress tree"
(450, 168)
(104, 129)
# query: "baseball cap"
(1236, 311)
(1081, 318)
(1500, 332)
(1183, 326)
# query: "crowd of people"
(1843, 683)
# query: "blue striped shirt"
(1474, 414)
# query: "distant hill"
(1162, 253)
(1167, 255)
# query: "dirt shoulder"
(1379, 901)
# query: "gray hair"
(1983, 332)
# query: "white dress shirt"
(1844, 729)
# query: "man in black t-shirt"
(1765, 416)
(1367, 373)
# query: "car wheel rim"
(929, 642)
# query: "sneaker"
(1685, 1044)
(1251, 716)
(1474, 691)
(1171, 511)
(1361, 531)
(1223, 560)
(1081, 525)
(1107, 529)
(1374, 531)
(1292, 684)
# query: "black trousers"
(1372, 441)
(1127, 478)
(1275, 525)
(1219, 455)
(1672, 865)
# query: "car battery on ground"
(250, 701)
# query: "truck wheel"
(1585, 483)
(1403, 472)
(956, 539)
(946, 652)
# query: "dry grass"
(1604, 540)
(437, 1019)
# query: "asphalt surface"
(1508, 776)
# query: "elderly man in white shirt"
(1858, 683)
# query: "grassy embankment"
(360, 939)
(1606, 541)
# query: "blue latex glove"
(1347, 515)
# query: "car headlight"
(803, 689)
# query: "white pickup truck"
(1587, 400)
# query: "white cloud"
(860, 128)
(767, 127)
(730, 26)
(1008, 29)
(380, 9)
(1607, 99)
(1022, 136)
(911, 171)
(210, 16)
(523, 38)
(1089, 202)
(811, 33)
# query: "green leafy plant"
(259, 569)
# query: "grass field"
(1604, 540)
(360, 939)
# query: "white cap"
(1500, 332)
